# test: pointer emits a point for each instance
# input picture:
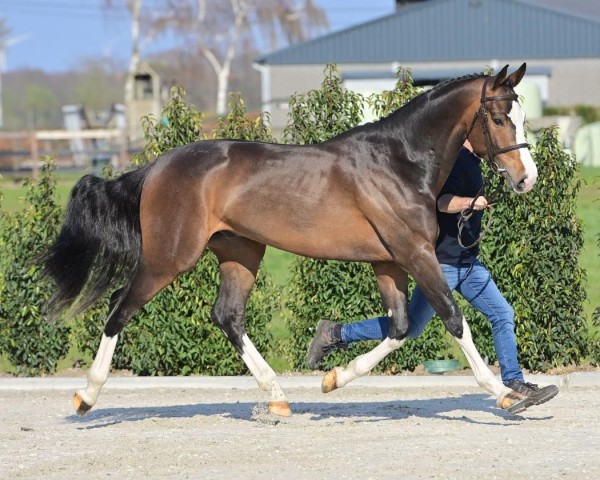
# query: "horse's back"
(292, 197)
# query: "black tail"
(99, 245)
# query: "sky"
(56, 35)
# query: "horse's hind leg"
(85, 399)
(156, 271)
(144, 287)
(239, 259)
(392, 282)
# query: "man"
(457, 253)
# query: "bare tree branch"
(218, 28)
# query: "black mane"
(470, 76)
(411, 103)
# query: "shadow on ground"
(452, 408)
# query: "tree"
(139, 40)
(219, 29)
(96, 85)
(41, 103)
(229, 41)
(135, 9)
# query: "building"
(148, 98)
(441, 39)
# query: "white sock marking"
(98, 373)
(260, 369)
(485, 378)
(363, 364)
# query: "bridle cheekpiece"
(492, 152)
(481, 113)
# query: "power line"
(76, 9)
(62, 6)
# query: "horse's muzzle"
(526, 182)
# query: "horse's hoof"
(329, 383)
(80, 406)
(511, 402)
(280, 408)
(504, 403)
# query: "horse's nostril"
(522, 185)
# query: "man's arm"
(449, 203)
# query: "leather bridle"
(492, 152)
(481, 113)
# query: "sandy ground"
(448, 432)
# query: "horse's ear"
(512, 80)
(515, 77)
(500, 78)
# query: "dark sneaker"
(529, 394)
(327, 339)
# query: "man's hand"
(481, 203)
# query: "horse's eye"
(498, 121)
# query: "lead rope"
(467, 213)
(481, 113)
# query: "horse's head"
(497, 131)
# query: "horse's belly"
(342, 238)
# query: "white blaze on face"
(517, 117)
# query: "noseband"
(481, 113)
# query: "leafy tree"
(389, 101)
(97, 86)
(32, 344)
(180, 124)
(237, 124)
(323, 113)
(41, 102)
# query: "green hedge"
(32, 344)
(595, 340)
(532, 249)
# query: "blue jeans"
(474, 282)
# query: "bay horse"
(366, 195)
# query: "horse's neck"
(435, 127)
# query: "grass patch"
(278, 263)
(13, 191)
(588, 204)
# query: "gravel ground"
(359, 432)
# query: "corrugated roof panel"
(441, 30)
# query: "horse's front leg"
(239, 259)
(429, 277)
(392, 281)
